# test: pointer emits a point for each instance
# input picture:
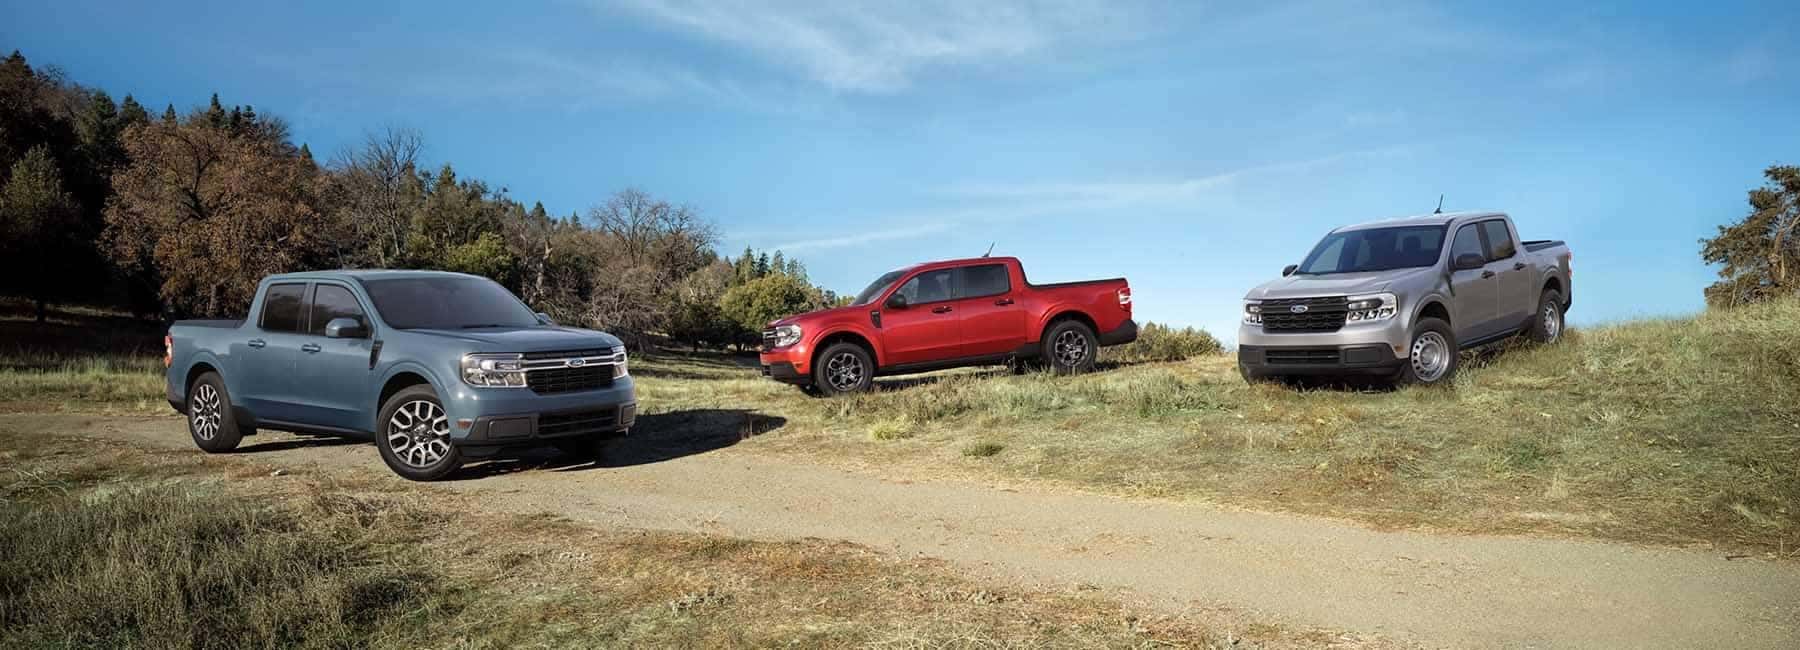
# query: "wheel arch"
(1061, 314)
(1433, 308)
(1555, 283)
(845, 335)
(397, 379)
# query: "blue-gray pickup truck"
(437, 367)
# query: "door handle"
(310, 347)
(940, 310)
(1518, 266)
(1003, 302)
(255, 343)
(1487, 274)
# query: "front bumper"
(790, 365)
(502, 416)
(786, 373)
(1360, 359)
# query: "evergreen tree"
(762, 264)
(131, 113)
(306, 155)
(215, 113)
(778, 264)
(39, 221)
(169, 116)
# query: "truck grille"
(768, 340)
(573, 422)
(569, 380)
(1310, 356)
(1321, 314)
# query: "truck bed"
(1535, 245)
(1077, 283)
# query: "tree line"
(179, 215)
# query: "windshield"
(447, 302)
(1375, 249)
(876, 288)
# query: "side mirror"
(896, 301)
(1468, 261)
(545, 319)
(1289, 270)
(345, 328)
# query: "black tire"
(412, 417)
(1425, 366)
(211, 420)
(843, 368)
(1547, 322)
(1069, 347)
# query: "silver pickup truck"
(1400, 299)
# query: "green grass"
(107, 545)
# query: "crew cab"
(437, 367)
(950, 314)
(1400, 299)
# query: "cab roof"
(960, 262)
(365, 274)
(1443, 219)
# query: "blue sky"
(1193, 147)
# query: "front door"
(334, 374)
(992, 322)
(265, 382)
(1473, 291)
(927, 329)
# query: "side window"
(332, 301)
(1468, 241)
(931, 286)
(985, 280)
(281, 308)
(1499, 239)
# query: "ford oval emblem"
(576, 363)
(1297, 309)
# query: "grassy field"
(107, 545)
(1679, 431)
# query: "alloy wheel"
(1430, 356)
(844, 371)
(419, 433)
(1070, 349)
(207, 411)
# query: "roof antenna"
(1440, 208)
(990, 250)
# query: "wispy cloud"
(862, 238)
(1138, 191)
(871, 46)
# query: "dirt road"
(1439, 590)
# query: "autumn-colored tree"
(39, 228)
(1759, 257)
(214, 211)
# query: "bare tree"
(378, 188)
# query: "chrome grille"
(568, 371)
(1320, 315)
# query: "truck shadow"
(654, 438)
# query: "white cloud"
(1116, 192)
(871, 46)
(862, 238)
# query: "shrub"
(1158, 342)
(982, 449)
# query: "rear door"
(1474, 291)
(1517, 299)
(333, 374)
(266, 367)
(927, 329)
(992, 321)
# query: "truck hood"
(1335, 284)
(526, 339)
(823, 314)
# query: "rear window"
(1499, 239)
(281, 308)
(985, 280)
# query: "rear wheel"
(843, 368)
(211, 420)
(1432, 355)
(415, 436)
(1070, 347)
(1547, 325)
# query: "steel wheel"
(1552, 322)
(207, 411)
(845, 371)
(419, 433)
(1431, 356)
(1070, 349)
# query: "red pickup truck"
(950, 314)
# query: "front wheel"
(843, 368)
(1432, 355)
(415, 436)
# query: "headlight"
(1252, 312)
(787, 335)
(493, 370)
(619, 369)
(1375, 306)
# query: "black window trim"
(1487, 245)
(262, 317)
(961, 285)
(313, 290)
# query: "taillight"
(1125, 298)
(168, 351)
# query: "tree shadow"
(654, 438)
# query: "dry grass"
(107, 545)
